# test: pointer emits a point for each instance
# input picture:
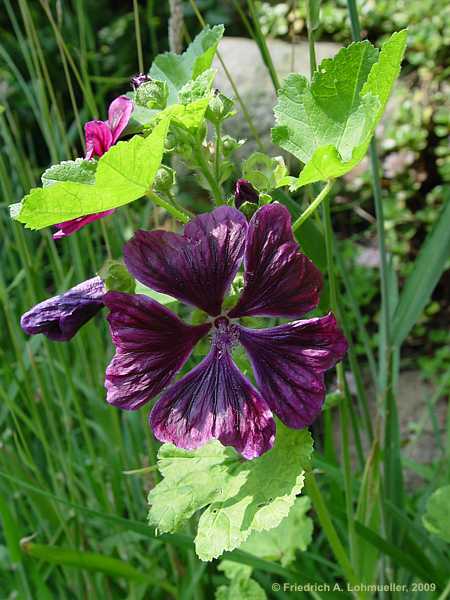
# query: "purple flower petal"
(119, 114)
(98, 138)
(289, 363)
(279, 280)
(60, 317)
(216, 401)
(152, 344)
(69, 227)
(197, 267)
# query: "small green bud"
(165, 179)
(116, 277)
(219, 108)
(152, 94)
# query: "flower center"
(225, 334)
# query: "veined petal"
(69, 227)
(119, 114)
(289, 362)
(214, 400)
(98, 138)
(60, 317)
(279, 280)
(196, 267)
(152, 344)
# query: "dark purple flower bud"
(137, 80)
(60, 317)
(244, 192)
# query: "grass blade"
(427, 270)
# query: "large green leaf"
(124, 173)
(427, 271)
(240, 496)
(328, 125)
(437, 515)
(178, 69)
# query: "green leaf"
(264, 172)
(79, 170)
(192, 479)
(89, 561)
(280, 544)
(241, 589)
(258, 495)
(241, 586)
(233, 570)
(437, 515)
(240, 496)
(124, 173)
(178, 69)
(427, 271)
(197, 89)
(158, 296)
(328, 125)
(189, 116)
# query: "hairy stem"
(204, 167)
(177, 213)
(314, 205)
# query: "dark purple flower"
(244, 192)
(100, 136)
(215, 400)
(137, 80)
(60, 317)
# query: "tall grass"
(73, 522)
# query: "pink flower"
(101, 135)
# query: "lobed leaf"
(329, 123)
(239, 496)
(124, 173)
(292, 534)
(178, 69)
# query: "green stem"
(262, 45)
(314, 205)
(313, 491)
(311, 41)
(137, 28)
(206, 172)
(344, 406)
(376, 186)
(177, 213)
(218, 128)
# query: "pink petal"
(119, 114)
(69, 227)
(98, 138)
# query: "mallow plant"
(229, 328)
